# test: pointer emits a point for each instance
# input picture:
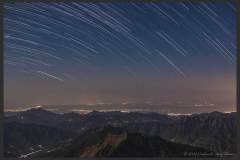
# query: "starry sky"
(79, 53)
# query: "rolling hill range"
(116, 142)
(208, 132)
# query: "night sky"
(80, 53)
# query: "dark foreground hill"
(22, 138)
(116, 142)
(212, 131)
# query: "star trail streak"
(172, 64)
(50, 76)
(119, 51)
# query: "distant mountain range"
(40, 133)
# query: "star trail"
(76, 52)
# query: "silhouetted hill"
(22, 138)
(36, 116)
(214, 131)
(115, 142)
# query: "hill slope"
(115, 142)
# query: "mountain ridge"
(178, 129)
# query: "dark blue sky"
(71, 53)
